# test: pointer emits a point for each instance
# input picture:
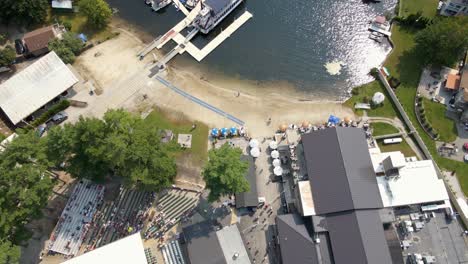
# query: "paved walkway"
(200, 102)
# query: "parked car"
(59, 117)
(41, 129)
(19, 46)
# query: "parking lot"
(439, 237)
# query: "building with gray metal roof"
(340, 170)
(346, 200)
(206, 245)
(250, 198)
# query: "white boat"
(190, 4)
(159, 4)
(213, 12)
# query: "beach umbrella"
(278, 171)
(305, 124)
(214, 132)
(275, 154)
(283, 127)
(255, 152)
(276, 162)
(233, 131)
(333, 119)
(253, 143)
(273, 145)
(347, 119)
(224, 131)
(378, 98)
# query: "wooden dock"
(200, 54)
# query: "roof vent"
(236, 255)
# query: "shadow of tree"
(410, 67)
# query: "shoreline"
(231, 83)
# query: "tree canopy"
(24, 12)
(98, 12)
(121, 144)
(443, 42)
(67, 48)
(7, 56)
(25, 186)
(224, 172)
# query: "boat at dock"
(149, 2)
(380, 25)
(157, 5)
(213, 12)
(190, 4)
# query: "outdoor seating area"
(225, 132)
(119, 218)
(175, 206)
(74, 221)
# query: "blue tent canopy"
(333, 119)
(233, 131)
(83, 37)
(214, 132)
(224, 131)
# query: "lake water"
(288, 41)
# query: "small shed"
(62, 4)
(185, 140)
(37, 40)
(250, 198)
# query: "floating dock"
(183, 42)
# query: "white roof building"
(126, 250)
(407, 182)
(35, 86)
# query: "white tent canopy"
(378, 98)
(255, 152)
(253, 143)
(276, 162)
(275, 154)
(278, 171)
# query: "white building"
(454, 7)
(126, 250)
(407, 181)
(35, 86)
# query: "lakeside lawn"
(78, 24)
(178, 123)
(364, 93)
(404, 64)
(427, 7)
(379, 129)
(404, 147)
(435, 115)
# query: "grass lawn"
(435, 115)
(406, 66)
(427, 7)
(379, 129)
(79, 25)
(403, 147)
(365, 92)
(2, 137)
(180, 124)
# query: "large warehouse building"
(29, 90)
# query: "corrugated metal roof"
(250, 198)
(35, 86)
(358, 236)
(296, 245)
(340, 170)
(231, 243)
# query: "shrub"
(67, 25)
(355, 91)
(60, 106)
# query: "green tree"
(9, 253)
(97, 11)
(62, 50)
(7, 56)
(224, 172)
(121, 143)
(72, 42)
(25, 185)
(443, 42)
(24, 12)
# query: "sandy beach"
(114, 67)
